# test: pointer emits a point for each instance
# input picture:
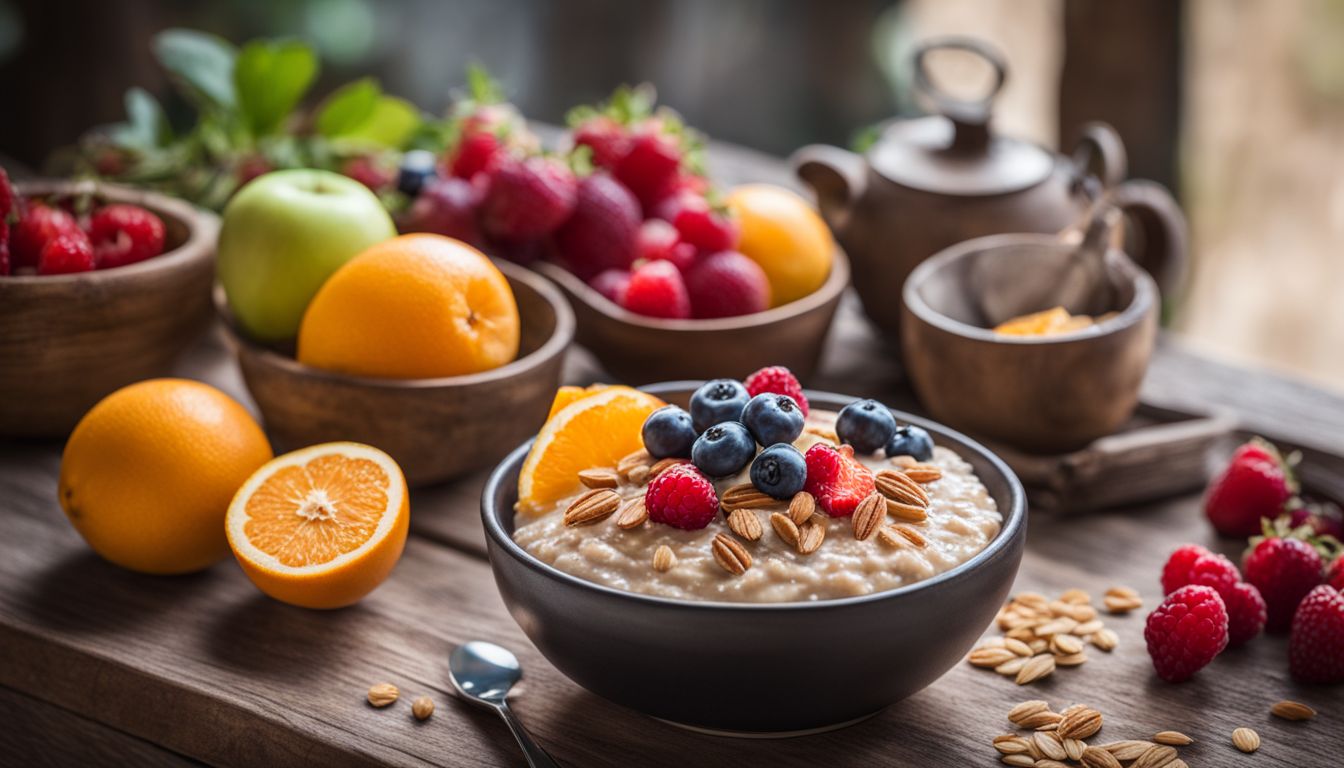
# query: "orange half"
(322, 526)
(595, 430)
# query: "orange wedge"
(322, 526)
(1035, 324)
(568, 394)
(596, 430)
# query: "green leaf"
(145, 127)
(482, 87)
(271, 77)
(201, 62)
(348, 107)
(391, 124)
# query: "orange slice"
(596, 430)
(568, 394)
(1035, 324)
(322, 526)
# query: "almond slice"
(898, 486)
(592, 506)
(732, 556)
(665, 464)
(923, 473)
(870, 514)
(745, 496)
(784, 528)
(632, 514)
(801, 507)
(640, 458)
(746, 524)
(1080, 724)
(1246, 740)
(664, 559)
(810, 537)
(1292, 710)
(599, 478)
(1036, 668)
(1172, 738)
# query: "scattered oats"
(1096, 757)
(422, 708)
(1075, 748)
(1128, 750)
(1026, 708)
(1065, 645)
(1036, 668)
(1106, 639)
(1071, 660)
(1124, 592)
(1022, 761)
(1118, 604)
(1063, 625)
(1017, 646)
(1048, 763)
(990, 657)
(1049, 745)
(1172, 738)
(1292, 710)
(664, 559)
(1080, 724)
(1038, 645)
(1072, 708)
(1075, 596)
(993, 642)
(1010, 744)
(1246, 740)
(1040, 720)
(1012, 667)
(1090, 627)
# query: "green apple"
(283, 235)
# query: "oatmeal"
(959, 521)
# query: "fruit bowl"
(790, 667)
(436, 429)
(69, 340)
(639, 349)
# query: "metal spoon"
(483, 673)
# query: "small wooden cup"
(637, 349)
(67, 341)
(436, 429)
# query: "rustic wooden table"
(102, 666)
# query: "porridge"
(916, 519)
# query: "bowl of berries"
(668, 275)
(100, 286)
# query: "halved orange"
(320, 527)
(569, 393)
(596, 430)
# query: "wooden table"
(102, 666)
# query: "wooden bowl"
(67, 341)
(639, 349)
(1043, 394)
(436, 429)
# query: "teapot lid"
(954, 152)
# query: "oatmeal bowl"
(751, 560)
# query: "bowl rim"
(836, 280)
(560, 339)
(202, 230)
(1014, 521)
(1145, 292)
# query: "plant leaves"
(348, 107)
(271, 78)
(146, 127)
(201, 62)
(391, 123)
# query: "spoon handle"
(536, 756)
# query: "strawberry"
(660, 240)
(650, 166)
(603, 232)
(708, 228)
(486, 129)
(446, 206)
(605, 137)
(612, 284)
(656, 289)
(1256, 485)
(4, 248)
(1334, 575)
(475, 153)
(836, 479)
(1284, 569)
(528, 199)
(6, 197)
(1316, 645)
(727, 284)
(1324, 518)
(38, 224)
(67, 253)
(124, 234)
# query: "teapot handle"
(837, 176)
(970, 117)
(1099, 144)
(1162, 246)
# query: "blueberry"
(865, 424)
(717, 401)
(723, 449)
(773, 418)
(416, 167)
(779, 471)
(668, 433)
(910, 440)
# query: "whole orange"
(414, 307)
(783, 233)
(149, 472)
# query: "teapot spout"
(838, 178)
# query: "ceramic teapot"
(931, 182)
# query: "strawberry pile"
(49, 237)
(625, 206)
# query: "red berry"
(836, 479)
(1245, 613)
(1284, 570)
(368, 171)
(124, 234)
(777, 380)
(6, 196)
(1325, 519)
(1185, 632)
(606, 138)
(707, 229)
(649, 166)
(479, 152)
(1255, 485)
(1214, 570)
(528, 198)
(726, 284)
(1176, 573)
(682, 498)
(446, 206)
(1316, 645)
(1193, 564)
(603, 232)
(659, 240)
(1334, 575)
(656, 289)
(4, 248)
(67, 253)
(38, 224)
(612, 284)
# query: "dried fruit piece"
(383, 694)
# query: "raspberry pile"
(58, 237)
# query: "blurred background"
(1238, 107)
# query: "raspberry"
(727, 284)
(1316, 645)
(1245, 607)
(38, 224)
(1284, 570)
(1176, 573)
(682, 498)
(836, 479)
(777, 380)
(66, 254)
(659, 240)
(124, 234)
(657, 290)
(1214, 570)
(603, 232)
(1245, 613)
(528, 198)
(1185, 632)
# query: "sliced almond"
(1119, 604)
(732, 556)
(640, 458)
(1157, 756)
(592, 506)
(868, 516)
(1026, 709)
(746, 524)
(1172, 738)
(810, 536)
(801, 507)
(1075, 596)
(898, 486)
(1041, 720)
(1063, 624)
(1036, 668)
(1080, 724)
(1090, 627)
(908, 512)
(1037, 644)
(1246, 740)
(632, 514)
(664, 559)
(1075, 748)
(911, 535)
(1070, 660)
(599, 478)
(746, 496)
(1096, 757)
(1292, 710)
(923, 473)
(1126, 592)
(1020, 761)
(784, 528)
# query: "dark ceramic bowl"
(739, 667)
